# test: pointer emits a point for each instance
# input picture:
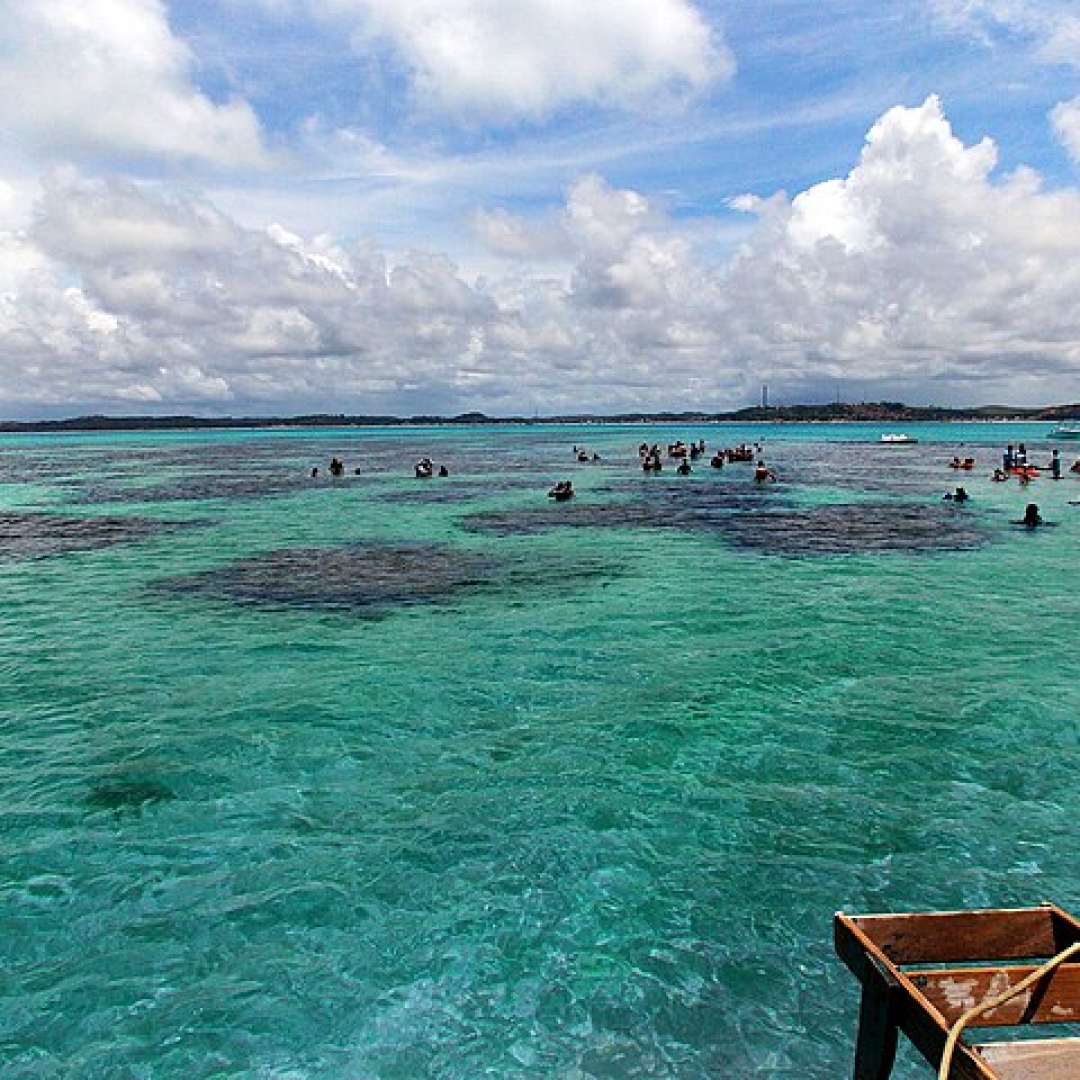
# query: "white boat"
(898, 439)
(1069, 430)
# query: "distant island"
(883, 412)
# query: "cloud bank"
(919, 274)
(108, 77)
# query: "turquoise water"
(379, 777)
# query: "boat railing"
(931, 976)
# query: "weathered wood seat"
(1047, 1059)
(921, 973)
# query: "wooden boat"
(933, 975)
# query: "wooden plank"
(954, 936)
(1048, 1059)
(927, 1032)
(912, 1013)
(952, 991)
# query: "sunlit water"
(381, 777)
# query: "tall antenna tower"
(764, 395)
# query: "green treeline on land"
(891, 412)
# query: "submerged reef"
(128, 794)
(38, 535)
(371, 579)
(856, 528)
(753, 518)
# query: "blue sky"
(279, 206)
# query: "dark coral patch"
(356, 577)
(197, 488)
(530, 521)
(128, 794)
(880, 469)
(35, 535)
(369, 580)
(450, 491)
(856, 528)
(680, 506)
(753, 517)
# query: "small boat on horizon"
(1066, 430)
(898, 439)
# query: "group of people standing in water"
(422, 470)
(652, 461)
(1015, 463)
(649, 456)
(335, 468)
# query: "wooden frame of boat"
(921, 973)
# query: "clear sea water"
(375, 777)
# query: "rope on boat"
(995, 1002)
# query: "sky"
(536, 207)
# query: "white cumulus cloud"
(1065, 118)
(920, 274)
(1053, 26)
(493, 60)
(920, 267)
(108, 77)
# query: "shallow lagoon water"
(580, 802)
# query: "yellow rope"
(995, 1002)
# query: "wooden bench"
(920, 973)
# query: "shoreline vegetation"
(889, 412)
